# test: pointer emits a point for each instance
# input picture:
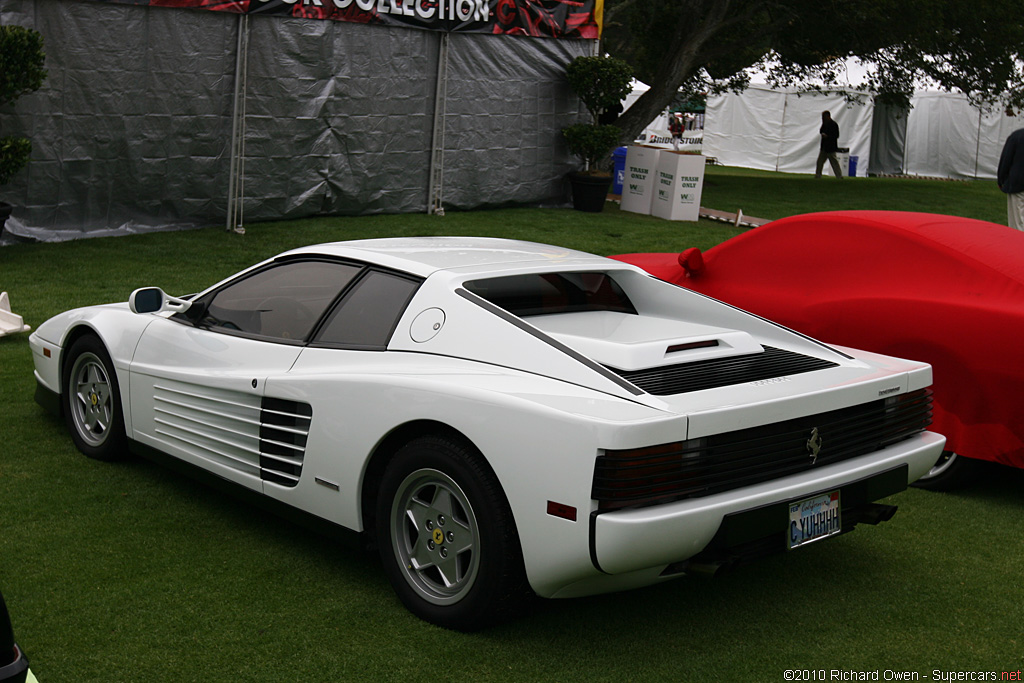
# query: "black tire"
(447, 538)
(92, 401)
(950, 473)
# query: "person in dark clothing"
(1010, 177)
(829, 144)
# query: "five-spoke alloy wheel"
(435, 536)
(446, 535)
(92, 401)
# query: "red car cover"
(941, 289)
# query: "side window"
(280, 302)
(367, 315)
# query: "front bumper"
(47, 398)
(720, 525)
(17, 671)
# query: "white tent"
(950, 138)
(777, 130)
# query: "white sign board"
(638, 178)
(678, 181)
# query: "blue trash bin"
(619, 158)
(853, 166)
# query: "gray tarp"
(888, 139)
(132, 129)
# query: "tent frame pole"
(435, 189)
(977, 144)
(236, 172)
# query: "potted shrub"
(601, 83)
(21, 71)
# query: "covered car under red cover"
(940, 289)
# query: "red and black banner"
(579, 19)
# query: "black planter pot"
(589, 192)
(5, 213)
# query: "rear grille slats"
(722, 372)
(749, 456)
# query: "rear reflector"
(559, 510)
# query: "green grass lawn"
(129, 572)
(776, 195)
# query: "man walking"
(1010, 177)
(829, 144)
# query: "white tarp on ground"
(777, 130)
(949, 138)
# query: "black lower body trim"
(50, 400)
(751, 534)
(248, 496)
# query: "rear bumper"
(751, 534)
(718, 527)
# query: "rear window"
(549, 293)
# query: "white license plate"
(814, 519)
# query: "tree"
(21, 71)
(601, 83)
(697, 46)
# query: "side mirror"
(154, 300)
(692, 262)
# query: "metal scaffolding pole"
(236, 173)
(435, 190)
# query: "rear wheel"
(92, 401)
(447, 538)
(950, 472)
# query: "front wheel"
(447, 538)
(950, 472)
(92, 401)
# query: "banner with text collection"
(574, 19)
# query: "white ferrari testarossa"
(502, 417)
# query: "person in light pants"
(1010, 177)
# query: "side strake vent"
(284, 426)
(712, 373)
(261, 437)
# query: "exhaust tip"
(876, 513)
